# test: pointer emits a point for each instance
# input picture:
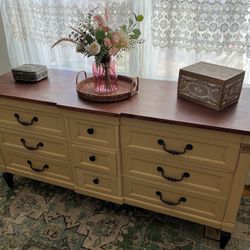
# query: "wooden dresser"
(152, 151)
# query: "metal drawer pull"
(36, 169)
(96, 181)
(170, 203)
(39, 144)
(173, 179)
(34, 119)
(92, 158)
(90, 131)
(172, 151)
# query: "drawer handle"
(36, 169)
(90, 131)
(39, 144)
(170, 203)
(34, 119)
(172, 151)
(172, 179)
(92, 158)
(96, 181)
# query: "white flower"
(94, 48)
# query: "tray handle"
(78, 74)
(135, 85)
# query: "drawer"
(36, 145)
(30, 120)
(206, 151)
(100, 184)
(91, 159)
(39, 168)
(181, 204)
(177, 174)
(93, 133)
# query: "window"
(176, 33)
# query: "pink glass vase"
(105, 77)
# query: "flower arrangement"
(94, 37)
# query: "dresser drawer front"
(37, 167)
(32, 121)
(92, 159)
(36, 145)
(90, 132)
(196, 206)
(206, 152)
(177, 174)
(97, 183)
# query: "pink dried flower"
(100, 21)
(105, 29)
(115, 38)
(113, 51)
(107, 42)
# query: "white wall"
(4, 59)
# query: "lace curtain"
(32, 26)
(187, 31)
(176, 33)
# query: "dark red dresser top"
(155, 101)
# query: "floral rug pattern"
(37, 216)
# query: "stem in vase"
(108, 83)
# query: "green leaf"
(100, 34)
(124, 28)
(137, 33)
(130, 22)
(140, 18)
(89, 39)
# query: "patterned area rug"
(38, 216)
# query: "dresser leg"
(9, 179)
(224, 238)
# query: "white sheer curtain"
(182, 32)
(176, 33)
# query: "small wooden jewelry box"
(210, 85)
(30, 72)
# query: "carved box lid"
(211, 71)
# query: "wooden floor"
(246, 191)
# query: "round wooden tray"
(126, 87)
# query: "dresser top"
(155, 101)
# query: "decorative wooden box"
(30, 72)
(210, 85)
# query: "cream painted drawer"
(92, 159)
(212, 150)
(93, 133)
(39, 168)
(95, 182)
(19, 115)
(185, 176)
(36, 145)
(195, 207)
